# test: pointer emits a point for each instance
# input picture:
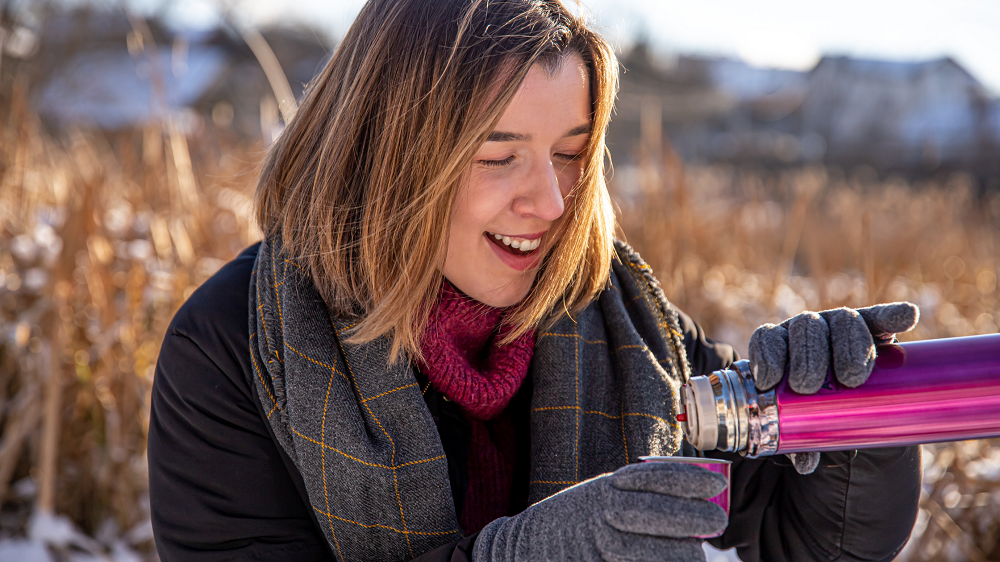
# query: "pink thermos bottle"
(918, 392)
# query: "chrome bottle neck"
(725, 412)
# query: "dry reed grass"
(103, 236)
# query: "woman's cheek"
(569, 177)
(476, 198)
(495, 195)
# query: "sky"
(778, 33)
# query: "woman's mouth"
(517, 252)
(516, 245)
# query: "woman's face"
(516, 187)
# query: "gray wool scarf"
(605, 393)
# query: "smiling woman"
(439, 352)
(515, 192)
(436, 120)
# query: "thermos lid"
(701, 428)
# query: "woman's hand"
(648, 511)
(807, 344)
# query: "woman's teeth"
(519, 243)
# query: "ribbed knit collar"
(463, 358)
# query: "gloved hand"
(647, 511)
(807, 343)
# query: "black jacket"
(221, 488)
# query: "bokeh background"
(767, 160)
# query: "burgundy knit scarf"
(463, 359)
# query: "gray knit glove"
(646, 511)
(807, 344)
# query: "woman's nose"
(542, 197)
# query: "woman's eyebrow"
(503, 136)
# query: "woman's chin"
(491, 281)
(504, 297)
(500, 296)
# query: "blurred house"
(899, 114)
(100, 69)
(910, 117)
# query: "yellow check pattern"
(348, 424)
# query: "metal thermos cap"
(701, 428)
(724, 411)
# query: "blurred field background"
(104, 231)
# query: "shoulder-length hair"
(359, 187)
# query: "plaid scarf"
(605, 392)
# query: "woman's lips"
(513, 258)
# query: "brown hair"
(359, 187)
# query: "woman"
(449, 356)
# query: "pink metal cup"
(720, 466)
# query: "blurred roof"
(110, 88)
(892, 70)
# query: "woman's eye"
(569, 157)
(497, 163)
